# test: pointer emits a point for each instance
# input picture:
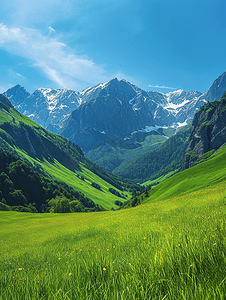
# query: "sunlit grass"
(172, 249)
(211, 172)
(62, 174)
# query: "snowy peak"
(51, 108)
(59, 97)
(17, 94)
(113, 86)
(48, 107)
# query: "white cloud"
(58, 62)
(162, 87)
(18, 74)
(51, 29)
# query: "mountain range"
(114, 110)
(119, 126)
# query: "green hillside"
(208, 173)
(119, 154)
(155, 155)
(167, 157)
(169, 249)
(56, 158)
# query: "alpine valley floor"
(172, 248)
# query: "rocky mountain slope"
(121, 109)
(208, 132)
(47, 107)
(113, 110)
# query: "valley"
(115, 123)
(75, 228)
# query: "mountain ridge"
(110, 110)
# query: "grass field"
(62, 174)
(209, 173)
(170, 249)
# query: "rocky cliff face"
(208, 131)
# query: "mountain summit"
(109, 110)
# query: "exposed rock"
(208, 131)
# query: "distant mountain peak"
(119, 104)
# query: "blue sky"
(156, 44)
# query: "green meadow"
(172, 246)
(168, 249)
(60, 173)
(210, 172)
(102, 197)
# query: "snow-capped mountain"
(47, 107)
(120, 109)
(109, 110)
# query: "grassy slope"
(160, 179)
(209, 173)
(62, 174)
(171, 249)
(57, 170)
(7, 116)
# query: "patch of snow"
(147, 129)
(130, 101)
(103, 132)
(178, 124)
(177, 93)
(62, 106)
(175, 106)
(119, 101)
(51, 108)
(136, 108)
(155, 114)
(92, 89)
(155, 128)
(66, 116)
(31, 115)
(79, 101)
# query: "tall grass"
(172, 249)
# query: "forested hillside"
(23, 189)
(166, 158)
(52, 156)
